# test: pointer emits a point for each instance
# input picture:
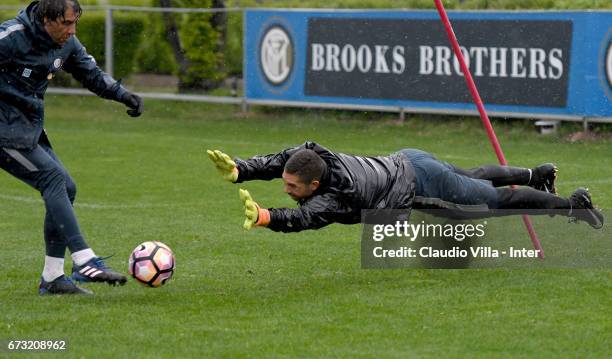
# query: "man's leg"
(541, 177)
(578, 206)
(518, 199)
(39, 169)
(80, 251)
(460, 189)
(55, 243)
(87, 267)
(441, 180)
(437, 179)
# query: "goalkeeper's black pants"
(477, 186)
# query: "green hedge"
(233, 44)
(199, 40)
(127, 32)
(155, 54)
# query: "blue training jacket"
(28, 59)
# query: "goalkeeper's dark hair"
(307, 165)
(55, 9)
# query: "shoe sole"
(596, 223)
(45, 292)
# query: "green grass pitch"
(262, 294)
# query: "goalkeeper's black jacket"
(28, 58)
(349, 185)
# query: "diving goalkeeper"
(332, 187)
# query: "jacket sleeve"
(318, 212)
(84, 69)
(271, 166)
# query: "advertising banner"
(534, 64)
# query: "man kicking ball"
(334, 187)
(34, 46)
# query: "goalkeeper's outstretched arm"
(262, 167)
(319, 212)
(265, 167)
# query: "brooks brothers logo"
(276, 51)
(609, 64)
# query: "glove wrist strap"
(263, 217)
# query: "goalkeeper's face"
(296, 188)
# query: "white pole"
(108, 41)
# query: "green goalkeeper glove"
(255, 216)
(224, 164)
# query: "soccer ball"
(152, 263)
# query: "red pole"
(483, 114)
